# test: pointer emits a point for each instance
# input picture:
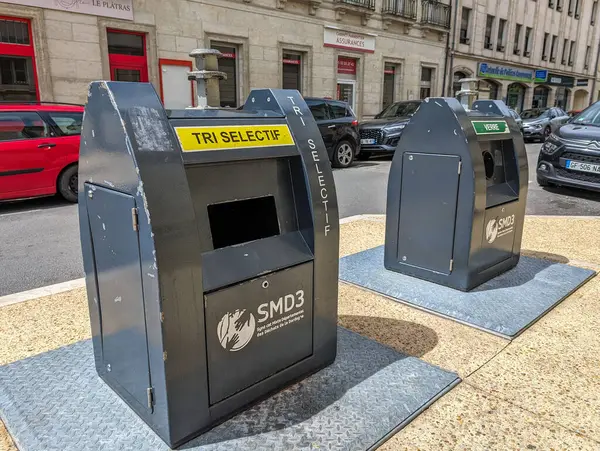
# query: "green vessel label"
(490, 127)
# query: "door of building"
(176, 91)
(346, 91)
(127, 56)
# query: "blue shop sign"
(488, 70)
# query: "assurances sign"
(119, 9)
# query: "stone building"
(530, 53)
(368, 52)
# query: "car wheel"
(363, 156)
(343, 155)
(547, 133)
(67, 183)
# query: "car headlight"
(395, 129)
(552, 145)
(537, 126)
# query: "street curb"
(29, 295)
(49, 290)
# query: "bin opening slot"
(501, 171)
(241, 221)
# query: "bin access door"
(428, 204)
(121, 301)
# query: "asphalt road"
(39, 242)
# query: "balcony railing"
(369, 4)
(435, 13)
(402, 8)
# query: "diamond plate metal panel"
(55, 401)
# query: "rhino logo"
(235, 330)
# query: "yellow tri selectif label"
(198, 139)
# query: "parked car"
(517, 119)
(39, 149)
(539, 123)
(339, 128)
(381, 135)
(571, 155)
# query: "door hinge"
(134, 219)
(459, 166)
(150, 392)
(451, 265)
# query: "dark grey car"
(517, 119)
(539, 123)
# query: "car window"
(338, 110)
(514, 114)
(22, 125)
(589, 116)
(318, 108)
(69, 123)
(534, 113)
(400, 109)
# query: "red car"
(39, 149)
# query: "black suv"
(571, 155)
(381, 135)
(339, 129)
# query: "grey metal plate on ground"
(505, 305)
(56, 401)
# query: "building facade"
(367, 52)
(529, 53)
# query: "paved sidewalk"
(541, 391)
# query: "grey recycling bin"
(210, 243)
(456, 194)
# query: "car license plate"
(368, 141)
(583, 167)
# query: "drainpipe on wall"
(595, 76)
(448, 87)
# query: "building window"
(516, 49)
(559, 5)
(18, 78)
(228, 89)
(577, 10)
(545, 47)
(571, 53)
(456, 85)
(570, 10)
(489, 24)
(553, 49)
(464, 25)
(594, 12)
(389, 84)
(527, 46)
(500, 42)
(587, 57)
(540, 97)
(127, 56)
(292, 71)
(564, 52)
(427, 77)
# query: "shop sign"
(560, 80)
(348, 40)
(581, 82)
(541, 75)
(346, 65)
(389, 70)
(229, 55)
(291, 61)
(496, 71)
(119, 9)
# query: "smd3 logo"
(235, 330)
(498, 227)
